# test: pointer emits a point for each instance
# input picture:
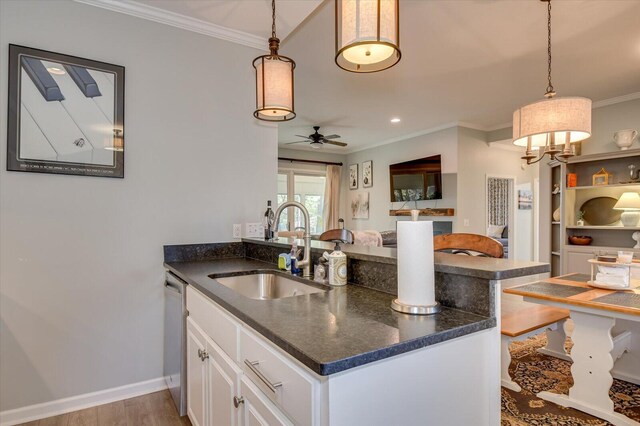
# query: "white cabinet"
(258, 410)
(224, 383)
(213, 380)
(196, 375)
(239, 378)
(214, 394)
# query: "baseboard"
(79, 402)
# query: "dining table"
(605, 336)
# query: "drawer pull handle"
(253, 367)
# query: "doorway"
(500, 211)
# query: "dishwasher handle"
(174, 283)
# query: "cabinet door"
(257, 410)
(577, 262)
(224, 383)
(196, 375)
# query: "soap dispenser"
(337, 266)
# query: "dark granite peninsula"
(347, 339)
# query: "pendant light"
(274, 81)
(367, 35)
(550, 123)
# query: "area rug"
(535, 372)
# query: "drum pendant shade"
(367, 35)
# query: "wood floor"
(154, 409)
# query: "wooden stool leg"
(556, 338)
(505, 361)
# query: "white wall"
(476, 160)
(443, 142)
(81, 272)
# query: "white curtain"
(498, 201)
(331, 210)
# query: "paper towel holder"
(396, 305)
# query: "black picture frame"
(367, 174)
(51, 112)
(353, 176)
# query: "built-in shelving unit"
(607, 239)
(608, 228)
(614, 185)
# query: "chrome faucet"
(305, 263)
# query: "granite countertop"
(333, 331)
(472, 266)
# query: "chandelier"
(551, 125)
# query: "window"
(306, 188)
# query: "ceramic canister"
(337, 268)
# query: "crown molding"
(616, 100)
(406, 137)
(150, 13)
(505, 144)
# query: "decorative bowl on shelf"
(580, 240)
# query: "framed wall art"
(601, 178)
(367, 174)
(66, 114)
(525, 199)
(353, 176)
(360, 205)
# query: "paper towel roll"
(415, 263)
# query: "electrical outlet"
(254, 229)
(466, 222)
(237, 230)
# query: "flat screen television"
(416, 180)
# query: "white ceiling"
(469, 61)
(249, 16)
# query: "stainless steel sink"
(267, 286)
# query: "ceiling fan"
(316, 140)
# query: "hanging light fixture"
(551, 125)
(274, 81)
(367, 35)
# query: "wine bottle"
(269, 219)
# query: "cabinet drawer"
(282, 381)
(218, 325)
(258, 410)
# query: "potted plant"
(580, 221)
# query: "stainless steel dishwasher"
(175, 340)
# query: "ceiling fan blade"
(335, 143)
(303, 137)
(291, 143)
(332, 137)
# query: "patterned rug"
(535, 372)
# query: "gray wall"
(81, 272)
(318, 155)
(606, 120)
(443, 142)
(476, 160)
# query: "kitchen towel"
(415, 263)
(604, 279)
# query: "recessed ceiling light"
(395, 120)
(56, 71)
